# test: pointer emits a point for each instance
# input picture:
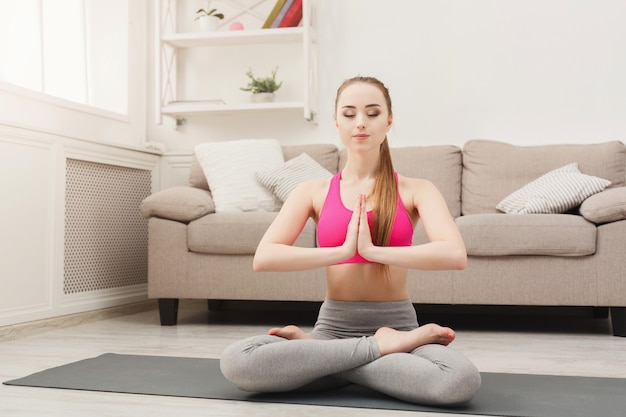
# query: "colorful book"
(272, 16)
(283, 12)
(293, 16)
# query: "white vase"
(208, 23)
(262, 97)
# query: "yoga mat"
(500, 395)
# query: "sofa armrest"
(180, 203)
(606, 206)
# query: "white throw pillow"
(282, 180)
(229, 168)
(555, 192)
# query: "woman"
(367, 331)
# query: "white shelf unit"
(170, 42)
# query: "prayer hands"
(358, 236)
(364, 240)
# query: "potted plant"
(262, 88)
(208, 18)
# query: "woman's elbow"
(460, 260)
(259, 263)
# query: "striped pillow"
(281, 181)
(555, 192)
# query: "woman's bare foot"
(289, 332)
(394, 341)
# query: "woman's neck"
(360, 167)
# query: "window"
(76, 50)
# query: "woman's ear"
(389, 122)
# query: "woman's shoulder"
(310, 193)
(314, 185)
(414, 183)
(416, 189)
(311, 190)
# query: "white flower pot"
(262, 97)
(208, 23)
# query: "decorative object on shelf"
(281, 14)
(208, 18)
(236, 26)
(262, 88)
(293, 17)
(286, 13)
(274, 13)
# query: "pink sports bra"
(332, 224)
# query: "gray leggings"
(343, 350)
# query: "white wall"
(525, 72)
(37, 135)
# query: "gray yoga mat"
(500, 395)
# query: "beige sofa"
(574, 259)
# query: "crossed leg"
(432, 374)
(287, 359)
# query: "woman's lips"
(361, 136)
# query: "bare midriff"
(365, 282)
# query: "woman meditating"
(367, 331)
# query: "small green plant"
(207, 12)
(262, 84)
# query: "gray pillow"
(181, 203)
(607, 206)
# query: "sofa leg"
(600, 312)
(215, 305)
(618, 321)
(168, 311)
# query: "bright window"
(76, 50)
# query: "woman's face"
(362, 117)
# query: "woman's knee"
(462, 386)
(458, 379)
(237, 361)
(230, 362)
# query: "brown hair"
(385, 190)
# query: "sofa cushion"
(229, 168)
(181, 203)
(237, 233)
(527, 234)
(325, 154)
(440, 164)
(605, 207)
(492, 170)
(555, 192)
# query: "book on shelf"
(273, 14)
(283, 12)
(293, 17)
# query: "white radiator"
(106, 239)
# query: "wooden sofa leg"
(618, 321)
(215, 305)
(600, 312)
(168, 311)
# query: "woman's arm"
(445, 250)
(276, 251)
